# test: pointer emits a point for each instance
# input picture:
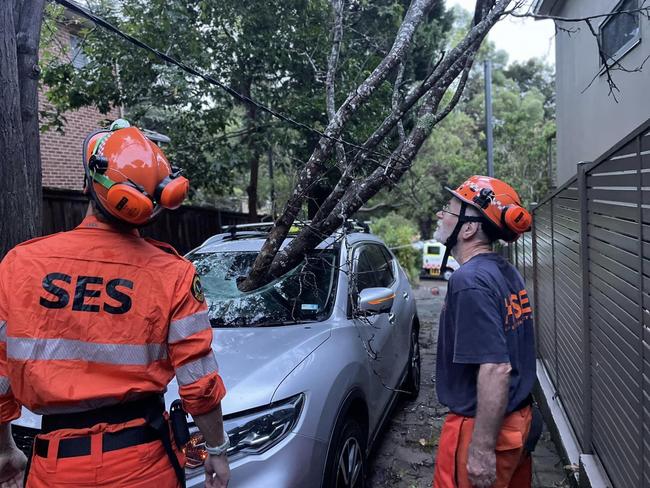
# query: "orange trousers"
(514, 465)
(141, 466)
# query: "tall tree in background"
(20, 162)
(524, 116)
(275, 52)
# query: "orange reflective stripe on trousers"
(514, 466)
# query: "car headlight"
(251, 433)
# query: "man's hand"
(217, 472)
(12, 467)
(492, 386)
(481, 466)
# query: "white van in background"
(432, 254)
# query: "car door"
(402, 316)
(371, 269)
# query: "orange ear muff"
(517, 219)
(129, 203)
(171, 192)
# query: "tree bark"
(27, 41)
(16, 218)
(255, 153)
(332, 65)
(426, 227)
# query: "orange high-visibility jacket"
(94, 317)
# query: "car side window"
(365, 274)
(381, 262)
(389, 259)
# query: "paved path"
(404, 455)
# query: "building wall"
(61, 152)
(589, 120)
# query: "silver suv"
(312, 362)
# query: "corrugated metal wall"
(590, 247)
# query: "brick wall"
(61, 153)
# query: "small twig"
(603, 58)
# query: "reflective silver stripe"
(187, 326)
(5, 386)
(3, 331)
(65, 349)
(195, 370)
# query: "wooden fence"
(184, 228)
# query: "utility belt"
(151, 409)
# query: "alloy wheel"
(349, 473)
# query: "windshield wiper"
(238, 322)
(284, 322)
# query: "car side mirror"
(376, 300)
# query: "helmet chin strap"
(452, 240)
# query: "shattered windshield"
(305, 294)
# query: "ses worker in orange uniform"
(486, 349)
(95, 322)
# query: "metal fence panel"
(568, 304)
(545, 308)
(615, 279)
(592, 289)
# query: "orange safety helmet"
(128, 176)
(498, 202)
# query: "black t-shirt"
(486, 318)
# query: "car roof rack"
(250, 229)
(261, 229)
(352, 225)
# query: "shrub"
(398, 233)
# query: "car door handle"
(406, 296)
(391, 318)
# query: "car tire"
(346, 462)
(447, 274)
(412, 381)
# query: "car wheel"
(447, 274)
(412, 381)
(346, 462)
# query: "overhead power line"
(210, 79)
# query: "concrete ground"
(403, 457)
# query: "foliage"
(274, 51)
(524, 112)
(398, 234)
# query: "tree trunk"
(28, 37)
(426, 226)
(16, 212)
(255, 154)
